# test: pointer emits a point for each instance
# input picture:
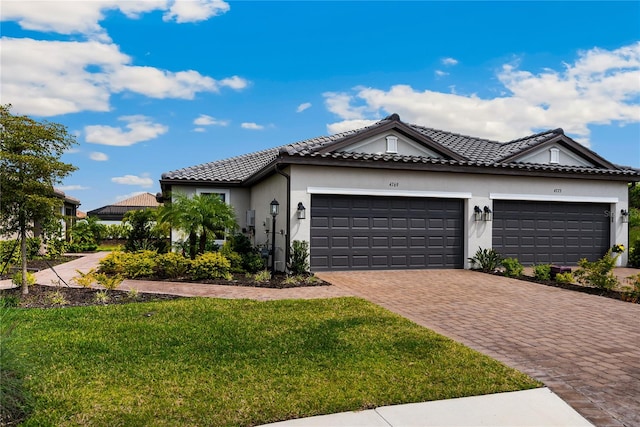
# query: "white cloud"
(204, 120)
(601, 87)
(98, 156)
(252, 126)
(138, 129)
(449, 61)
(83, 17)
(303, 107)
(441, 73)
(75, 187)
(193, 11)
(199, 130)
(142, 181)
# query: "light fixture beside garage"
(625, 215)
(477, 213)
(487, 214)
(302, 211)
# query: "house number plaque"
(394, 184)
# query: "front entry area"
(367, 232)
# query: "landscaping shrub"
(85, 279)
(299, 257)
(253, 262)
(110, 283)
(211, 265)
(487, 260)
(172, 265)
(565, 277)
(235, 259)
(56, 248)
(634, 254)
(542, 271)
(262, 276)
(633, 293)
(10, 250)
(512, 267)
(598, 273)
(16, 279)
(139, 264)
(113, 263)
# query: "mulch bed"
(614, 294)
(278, 281)
(41, 296)
(36, 265)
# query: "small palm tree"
(197, 216)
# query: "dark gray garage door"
(363, 232)
(550, 232)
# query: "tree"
(145, 232)
(30, 166)
(198, 216)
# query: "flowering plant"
(618, 247)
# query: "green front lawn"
(197, 362)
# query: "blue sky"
(152, 86)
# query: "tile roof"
(143, 199)
(473, 151)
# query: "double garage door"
(550, 232)
(365, 232)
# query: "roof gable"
(569, 152)
(410, 140)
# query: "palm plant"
(198, 216)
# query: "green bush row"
(133, 265)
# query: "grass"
(236, 362)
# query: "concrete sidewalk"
(538, 407)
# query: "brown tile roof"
(144, 199)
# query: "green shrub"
(211, 265)
(634, 254)
(10, 250)
(632, 293)
(234, 257)
(598, 273)
(299, 257)
(172, 265)
(253, 262)
(56, 298)
(56, 248)
(139, 264)
(113, 263)
(110, 283)
(85, 279)
(512, 267)
(486, 260)
(16, 279)
(542, 271)
(262, 276)
(565, 277)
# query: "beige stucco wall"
(475, 189)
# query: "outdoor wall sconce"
(487, 214)
(302, 211)
(477, 213)
(625, 215)
(274, 209)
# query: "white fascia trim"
(552, 198)
(394, 193)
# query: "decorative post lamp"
(274, 209)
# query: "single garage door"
(550, 232)
(365, 232)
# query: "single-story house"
(115, 213)
(395, 195)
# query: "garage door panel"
(386, 232)
(562, 233)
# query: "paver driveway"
(583, 347)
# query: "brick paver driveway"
(585, 348)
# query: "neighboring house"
(395, 195)
(69, 211)
(115, 213)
